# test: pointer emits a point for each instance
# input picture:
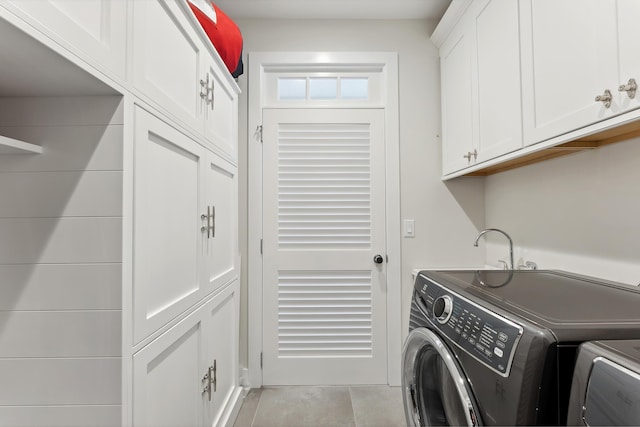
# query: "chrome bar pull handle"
(630, 88)
(204, 84)
(203, 228)
(214, 375)
(605, 98)
(213, 221)
(210, 92)
(206, 383)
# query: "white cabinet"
(457, 100)
(174, 69)
(564, 71)
(498, 75)
(185, 223)
(95, 30)
(188, 375)
(221, 111)
(167, 58)
(481, 96)
(221, 200)
(221, 355)
(168, 181)
(569, 57)
(628, 12)
(119, 255)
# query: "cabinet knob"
(378, 259)
(470, 154)
(630, 88)
(605, 98)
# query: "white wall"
(579, 213)
(447, 216)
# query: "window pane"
(323, 88)
(354, 88)
(289, 88)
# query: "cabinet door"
(457, 100)
(168, 377)
(221, 112)
(167, 58)
(221, 248)
(222, 331)
(168, 181)
(569, 57)
(95, 28)
(498, 70)
(628, 48)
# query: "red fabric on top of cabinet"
(225, 37)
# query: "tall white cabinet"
(119, 258)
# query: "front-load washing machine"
(498, 347)
(606, 384)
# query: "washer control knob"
(442, 308)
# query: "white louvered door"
(324, 299)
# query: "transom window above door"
(317, 89)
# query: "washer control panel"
(487, 336)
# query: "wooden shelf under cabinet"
(14, 146)
(589, 142)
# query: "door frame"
(384, 64)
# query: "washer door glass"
(436, 393)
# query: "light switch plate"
(409, 228)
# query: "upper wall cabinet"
(524, 81)
(569, 58)
(174, 69)
(481, 94)
(95, 30)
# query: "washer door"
(436, 393)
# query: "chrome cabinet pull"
(210, 226)
(210, 92)
(605, 98)
(213, 221)
(204, 84)
(630, 88)
(469, 154)
(206, 383)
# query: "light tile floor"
(354, 406)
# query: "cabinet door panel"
(167, 375)
(222, 349)
(221, 113)
(564, 70)
(499, 100)
(457, 102)
(166, 59)
(628, 48)
(221, 250)
(96, 28)
(167, 237)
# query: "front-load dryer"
(606, 384)
(498, 347)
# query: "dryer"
(498, 347)
(606, 384)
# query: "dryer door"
(436, 392)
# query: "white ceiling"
(334, 9)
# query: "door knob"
(378, 259)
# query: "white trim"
(388, 64)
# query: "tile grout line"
(353, 410)
(255, 414)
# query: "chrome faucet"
(483, 232)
